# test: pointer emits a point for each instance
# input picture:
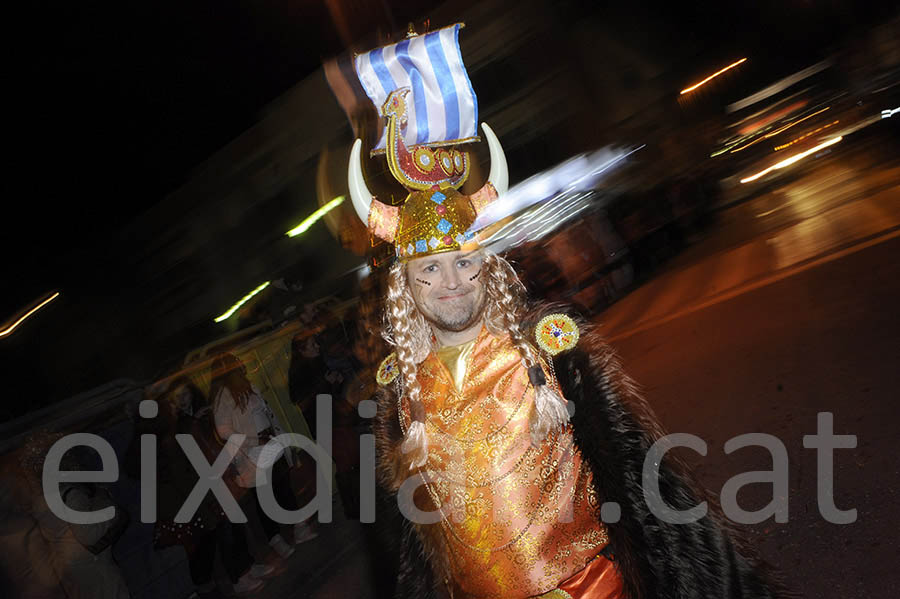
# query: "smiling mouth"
(449, 297)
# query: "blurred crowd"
(47, 556)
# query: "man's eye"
(431, 268)
(463, 263)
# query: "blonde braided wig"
(406, 329)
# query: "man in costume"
(509, 440)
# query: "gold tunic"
(517, 519)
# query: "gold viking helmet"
(435, 216)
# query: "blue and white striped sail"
(441, 108)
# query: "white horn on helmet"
(359, 193)
(499, 176)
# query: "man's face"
(447, 289)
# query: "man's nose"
(451, 278)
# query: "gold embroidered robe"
(517, 520)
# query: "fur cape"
(613, 429)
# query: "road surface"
(790, 309)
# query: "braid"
(406, 330)
(507, 302)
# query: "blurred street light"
(716, 74)
(792, 159)
(778, 86)
(797, 122)
(312, 218)
(804, 136)
(241, 302)
(9, 329)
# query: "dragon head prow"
(395, 104)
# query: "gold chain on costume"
(403, 425)
(445, 523)
(525, 454)
(491, 434)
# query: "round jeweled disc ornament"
(388, 370)
(556, 333)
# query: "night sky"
(115, 104)
(109, 105)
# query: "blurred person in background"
(321, 363)
(324, 364)
(184, 410)
(345, 419)
(25, 571)
(382, 542)
(307, 376)
(578, 256)
(80, 554)
(238, 408)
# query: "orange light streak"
(747, 145)
(768, 120)
(8, 330)
(802, 137)
(792, 159)
(789, 125)
(716, 74)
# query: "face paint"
(447, 289)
